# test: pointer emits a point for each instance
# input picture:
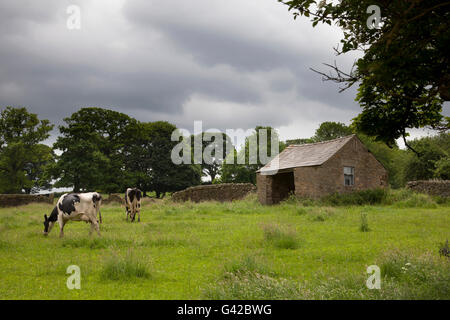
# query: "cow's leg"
(61, 223)
(100, 215)
(126, 208)
(133, 213)
(94, 224)
(92, 229)
(139, 212)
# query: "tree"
(37, 170)
(392, 158)
(404, 73)
(108, 151)
(442, 168)
(331, 130)
(164, 175)
(22, 157)
(234, 171)
(299, 141)
(211, 146)
(137, 154)
(434, 159)
(92, 144)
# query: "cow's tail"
(100, 215)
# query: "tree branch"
(340, 77)
(428, 10)
(409, 147)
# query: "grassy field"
(238, 250)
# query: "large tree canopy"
(92, 143)
(165, 176)
(23, 158)
(108, 151)
(331, 130)
(403, 75)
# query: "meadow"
(239, 250)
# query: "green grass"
(124, 268)
(280, 236)
(364, 227)
(295, 250)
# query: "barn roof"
(305, 155)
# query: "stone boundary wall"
(114, 197)
(432, 187)
(215, 192)
(14, 200)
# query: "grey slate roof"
(305, 155)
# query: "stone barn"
(318, 169)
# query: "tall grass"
(375, 196)
(400, 198)
(321, 214)
(248, 264)
(280, 236)
(251, 279)
(364, 226)
(444, 249)
(124, 268)
(253, 286)
(415, 277)
(404, 276)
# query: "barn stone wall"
(432, 187)
(274, 188)
(264, 183)
(14, 200)
(216, 192)
(318, 181)
(328, 178)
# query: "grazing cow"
(76, 207)
(133, 203)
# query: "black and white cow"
(133, 203)
(75, 207)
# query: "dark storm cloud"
(229, 63)
(212, 43)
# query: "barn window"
(349, 176)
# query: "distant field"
(229, 251)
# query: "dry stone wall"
(114, 197)
(432, 187)
(216, 192)
(14, 200)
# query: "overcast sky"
(230, 63)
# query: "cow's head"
(50, 221)
(46, 225)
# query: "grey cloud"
(155, 63)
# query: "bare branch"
(339, 76)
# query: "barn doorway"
(282, 186)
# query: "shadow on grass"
(95, 243)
